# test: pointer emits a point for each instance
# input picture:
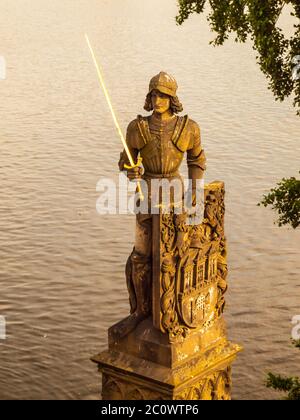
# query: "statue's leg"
(143, 235)
(138, 277)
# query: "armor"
(162, 146)
(162, 143)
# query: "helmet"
(164, 83)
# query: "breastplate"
(160, 155)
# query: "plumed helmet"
(164, 83)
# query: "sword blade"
(102, 84)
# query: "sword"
(102, 84)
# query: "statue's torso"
(160, 152)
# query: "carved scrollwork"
(111, 388)
(223, 386)
(216, 386)
(117, 389)
(169, 315)
(194, 268)
(170, 321)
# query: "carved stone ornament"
(173, 344)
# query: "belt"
(170, 175)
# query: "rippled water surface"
(62, 281)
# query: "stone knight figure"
(161, 140)
(173, 345)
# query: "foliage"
(290, 385)
(281, 383)
(257, 20)
(285, 199)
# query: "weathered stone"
(173, 345)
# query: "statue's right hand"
(135, 173)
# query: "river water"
(62, 264)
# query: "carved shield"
(197, 293)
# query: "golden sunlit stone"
(173, 345)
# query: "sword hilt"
(137, 164)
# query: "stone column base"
(205, 377)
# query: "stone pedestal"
(180, 351)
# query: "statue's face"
(160, 101)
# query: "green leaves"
(256, 19)
(290, 385)
(280, 383)
(285, 384)
(285, 199)
(187, 7)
